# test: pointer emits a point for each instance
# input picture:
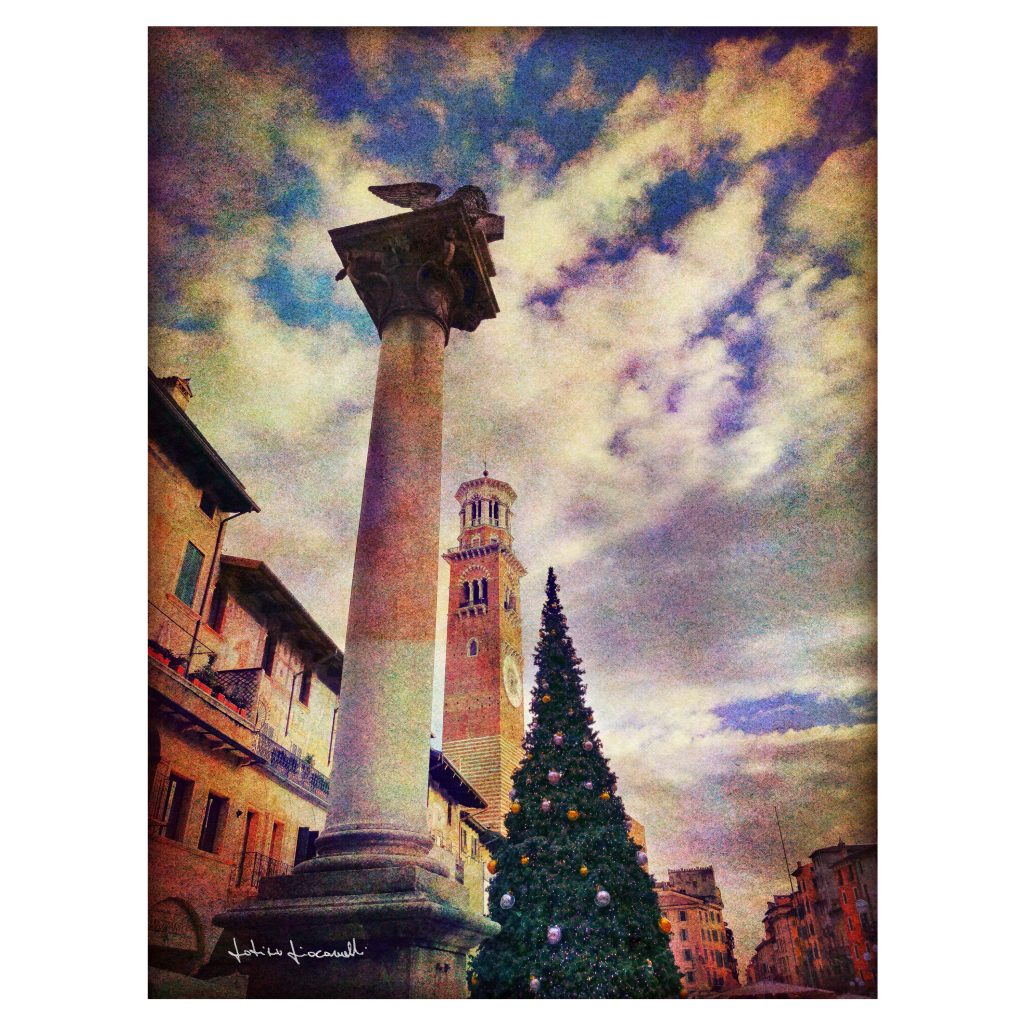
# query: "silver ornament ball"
(545, 805)
(554, 935)
(508, 901)
(641, 858)
(603, 898)
(554, 777)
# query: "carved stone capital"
(434, 262)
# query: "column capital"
(433, 261)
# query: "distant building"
(778, 957)
(483, 680)
(857, 879)
(825, 934)
(701, 941)
(460, 839)
(636, 832)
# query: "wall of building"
(175, 518)
(698, 941)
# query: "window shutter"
(188, 578)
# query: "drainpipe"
(206, 589)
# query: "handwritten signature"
(296, 955)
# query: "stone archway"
(175, 936)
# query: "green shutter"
(188, 578)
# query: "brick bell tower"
(483, 678)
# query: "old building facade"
(243, 707)
(824, 935)
(701, 941)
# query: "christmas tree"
(578, 912)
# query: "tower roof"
(485, 482)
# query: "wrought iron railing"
(291, 768)
(254, 867)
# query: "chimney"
(178, 389)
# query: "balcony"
(254, 867)
(469, 608)
(300, 774)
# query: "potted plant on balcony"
(206, 679)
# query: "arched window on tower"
(465, 592)
(483, 591)
(473, 648)
(476, 591)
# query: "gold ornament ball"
(606, 795)
(524, 861)
(665, 925)
(573, 815)
(584, 871)
(515, 808)
(546, 699)
(492, 866)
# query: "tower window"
(476, 591)
(305, 687)
(474, 648)
(465, 592)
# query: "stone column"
(372, 884)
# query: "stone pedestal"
(395, 932)
(372, 883)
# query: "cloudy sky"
(680, 384)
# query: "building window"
(687, 955)
(218, 606)
(213, 816)
(188, 578)
(682, 934)
(462, 840)
(174, 811)
(476, 847)
(682, 915)
(304, 687)
(305, 844)
(449, 812)
(208, 504)
(276, 840)
(269, 650)
(474, 648)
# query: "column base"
(364, 845)
(397, 932)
